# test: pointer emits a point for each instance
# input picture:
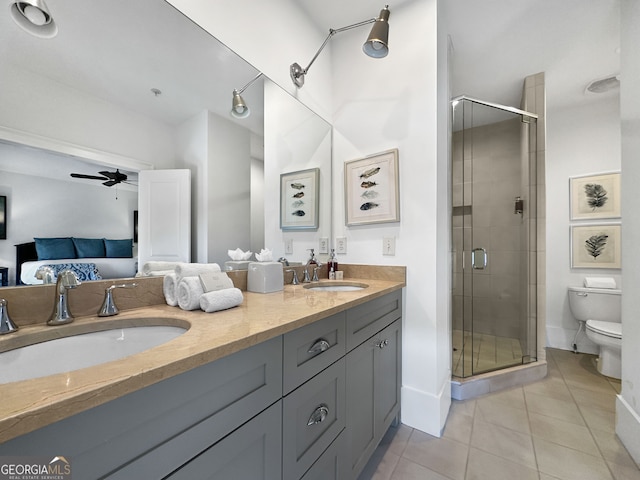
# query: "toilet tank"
(595, 304)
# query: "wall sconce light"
(376, 45)
(33, 17)
(239, 108)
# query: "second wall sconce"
(376, 45)
(239, 108)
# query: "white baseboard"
(628, 427)
(425, 411)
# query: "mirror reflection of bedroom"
(122, 102)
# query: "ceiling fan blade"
(110, 183)
(111, 175)
(90, 177)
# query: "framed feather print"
(371, 189)
(299, 205)
(595, 196)
(596, 246)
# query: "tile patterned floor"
(560, 428)
(483, 353)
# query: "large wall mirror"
(137, 85)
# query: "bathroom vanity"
(307, 390)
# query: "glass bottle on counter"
(332, 265)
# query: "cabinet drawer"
(311, 349)
(333, 464)
(313, 416)
(251, 452)
(367, 319)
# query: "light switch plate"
(341, 245)
(324, 245)
(288, 246)
(389, 246)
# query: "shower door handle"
(478, 258)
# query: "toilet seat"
(608, 329)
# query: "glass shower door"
(491, 242)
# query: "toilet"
(599, 311)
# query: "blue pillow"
(119, 248)
(89, 247)
(55, 248)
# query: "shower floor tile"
(489, 353)
(543, 430)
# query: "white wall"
(580, 141)
(43, 107)
(376, 108)
(628, 405)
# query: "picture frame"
(299, 199)
(3, 217)
(595, 196)
(596, 246)
(371, 187)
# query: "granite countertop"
(31, 404)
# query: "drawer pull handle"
(382, 343)
(318, 415)
(321, 345)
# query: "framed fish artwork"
(371, 189)
(595, 196)
(299, 202)
(596, 246)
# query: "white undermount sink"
(336, 287)
(80, 351)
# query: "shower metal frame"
(525, 118)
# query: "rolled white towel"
(221, 299)
(169, 286)
(159, 273)
(189, 292)
(195, 269)
(154, 266)
(600, 282)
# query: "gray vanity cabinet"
(251, 452)
(373, 379)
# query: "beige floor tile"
(499, 414)
(563, 433)
(606, 400)
(458, 427)
(624, 473)
(599, 419)
(511, 397)
(396, 439)
(484, 466)
(553, 407)
(383, 470)
(463, 407)
(553, 387)
(407, 470)
(441, 455)
(502, 442)
(569, 464)
(612, 448)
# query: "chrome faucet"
(315, 273)
(108, 306)
(66, 279)
(6, 324)
(45, 273)
(305, 278)
(295, 280)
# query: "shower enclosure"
(493, 236)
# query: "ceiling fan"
(109, 178)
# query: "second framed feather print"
(595, 196)
(596, 246)
(371, 189)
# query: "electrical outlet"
(324, 245)
(288, 246)
(389, 246)
(341, 245)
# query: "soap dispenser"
(332, 265)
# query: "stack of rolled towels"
(182, 287)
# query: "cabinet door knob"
(318, 415)
(319, 346)
(382, 343)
